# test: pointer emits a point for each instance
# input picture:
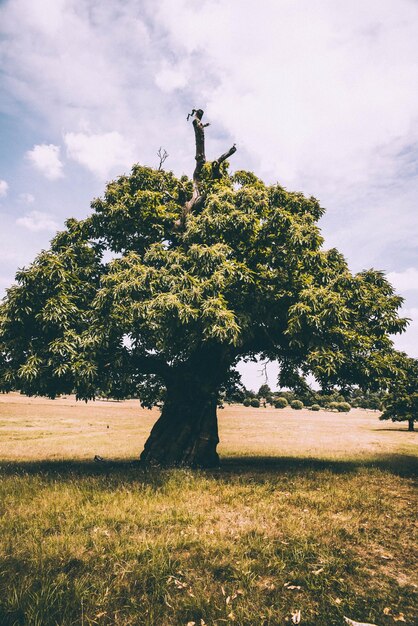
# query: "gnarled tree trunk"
(186, 434)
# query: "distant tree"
(264, 391)
(333, 406)
(170, 282)
(280, 403)
(343, 407)
(296, 404)
(233, 390)
(288, 395)
(402, 401)
(255, 402)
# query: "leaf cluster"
(124, 299)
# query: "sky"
(320, 96)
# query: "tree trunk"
(186, 434)
(410, 425)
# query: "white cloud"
(3, 188)
(404, 281)
(171, 77)
(319, 93)
(100, 153)
(321, 96)
(37, 221)
(8, 255)
(46, 159)
(28, 198)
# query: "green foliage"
(264, 392)
(280, 403)
(343, 407)
(255, 402)
(246, 277)
(369, 400)
(247, 402)
(296, 404)
(315, 407)
(333, 406)
(288, 395)
(402, 401)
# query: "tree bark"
(410, 425)
(216, 165)
(200, 157)
(186, 434)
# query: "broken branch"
(216, 165)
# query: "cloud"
(312, 90)
(37, 221)
(46, 159)
(322, 97)
(3, 188)
(406, 280)
(8, 255)
(100, 153)
(171, 77)
(28, 198)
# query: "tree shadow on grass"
(125, 472)
(398, 464)
(395, 430)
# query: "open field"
(310, 511)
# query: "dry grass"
(310, 511)
(66, 429)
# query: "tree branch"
(148, 364)
(216, 165)
(200, 157)
(162, 155)
(199, 132)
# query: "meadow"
(310, 517)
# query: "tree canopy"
(171, 281)
(402, 401)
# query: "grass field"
(310, 512)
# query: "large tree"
(171, 281)
(401, 403)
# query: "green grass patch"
(251, 544)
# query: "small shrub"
(333, 406)
(247, 402)
(296, 404)
(255, 402)
(315, 407)
(280, 403)
(343, 407)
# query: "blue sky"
(318, 95)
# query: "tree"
(205, 272)
(280, 403)
(264, 391)
(401, 404)
(296, 404)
